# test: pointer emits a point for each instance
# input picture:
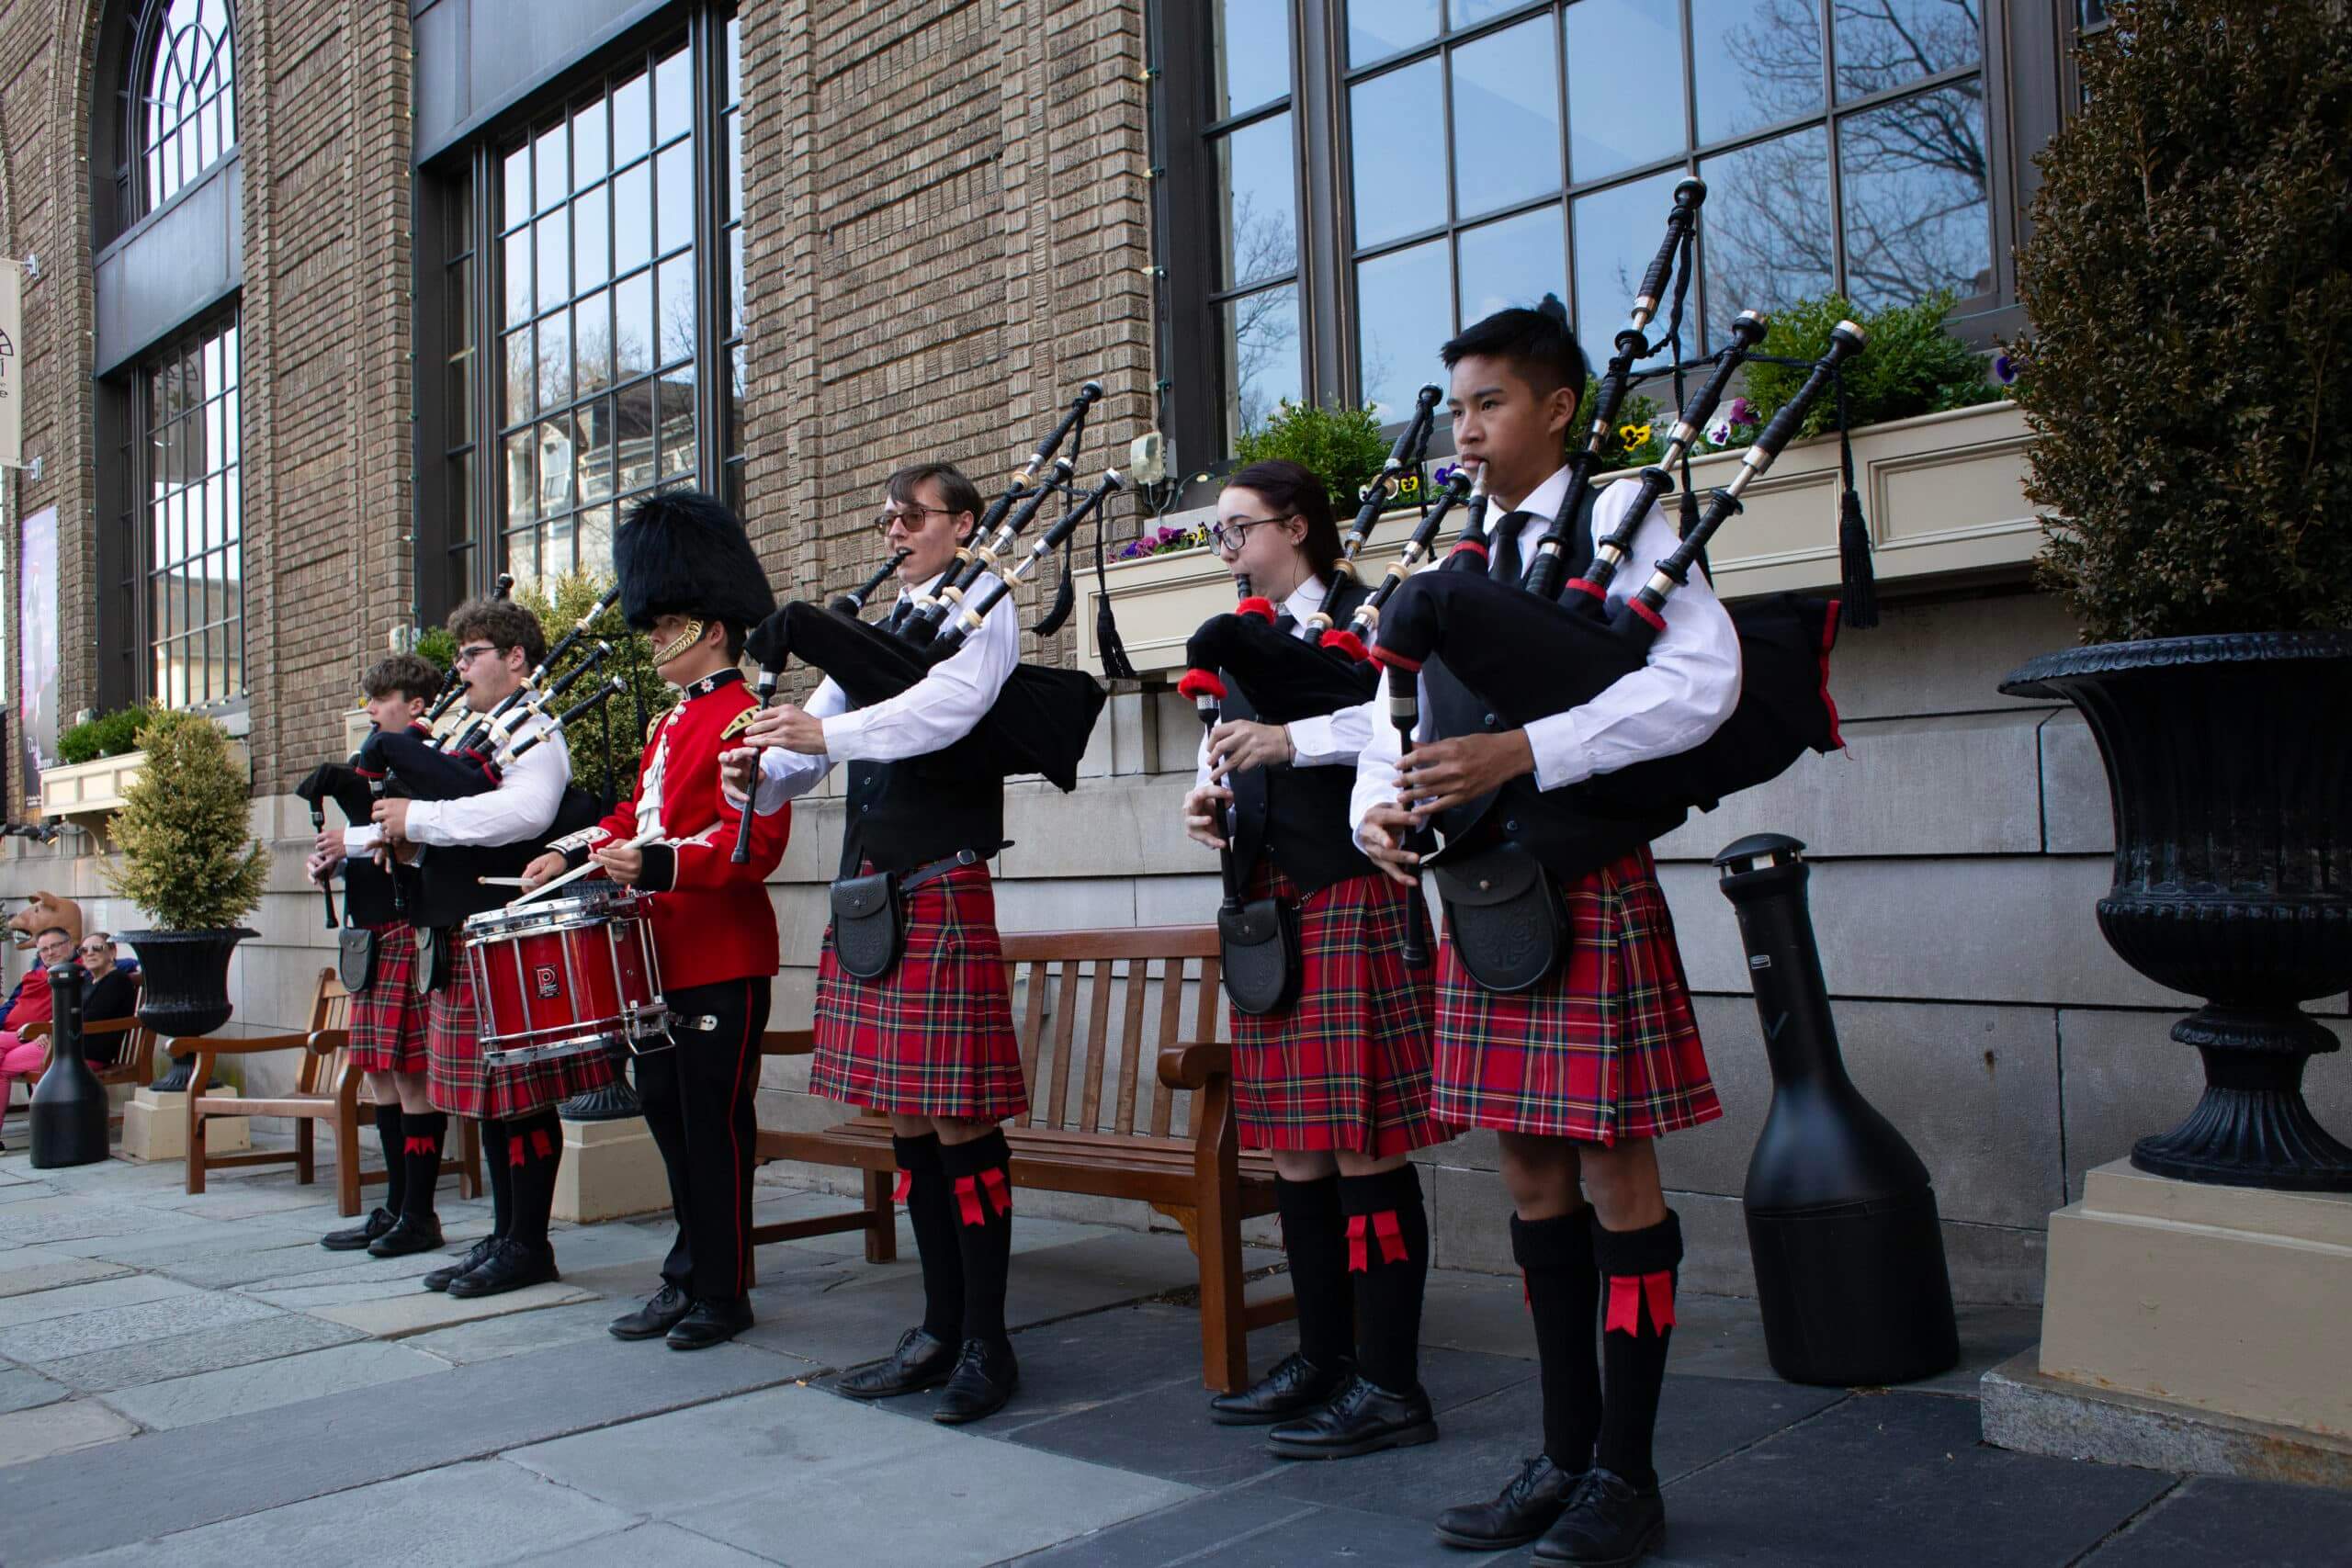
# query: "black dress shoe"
(510, 1266)
(360, 1234)
(1362, 1418)
(656, 1317)
(921, 1361)
(711, 1322)
(984, 1378)
(407, 1236)
(1526, 1509)
(1296, 1386)
(1610, 1523)
(476, 1256)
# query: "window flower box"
(1944, 494)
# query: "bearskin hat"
(685, 553)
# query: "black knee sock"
(979, 1188)
(1637, 1270)
(534, 1147)
(1315, 1238)
(1389, 1259)
(1562, 1298)
(389, 1133)
(421, 1153)
(932, 1211)
(502, 1178)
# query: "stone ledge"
(2029, 1413)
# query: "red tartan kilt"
(461, 1085)
(388, 1020)
(1606, 1049)
(1346, 1065)
(933, 1037)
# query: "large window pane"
(1260, 356)
(1514, 262)
(1883, 44)
(1252, 55)
(187, 88)
(1624, 84)
(1506, 119)
(1758, 62)
(1404, 313)
(1767, 231)
(1617, 232)
(191, 521)
(1914, 184)
(1380, 28)
(1256, 203)
(1399, 186)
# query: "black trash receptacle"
(69, 1110)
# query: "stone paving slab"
(38, 1434)
(488, 1338)
(164, 1481)
(109, 1328)
(418, 1309)
(452, 1517)
(2210, 1521)
(65, 1301)
(78, 1217)
(1220, 1527)
(21, 1388)
(266, 1385)
(38, 1268)
(646, 1545)
(959, 1504)
(1898, 1478)
(198, 1350)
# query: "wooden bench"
(1170, 1140)
(328, 1088)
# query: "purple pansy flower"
(1741, 412)
(2004, 369)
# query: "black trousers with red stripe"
(699, 1102)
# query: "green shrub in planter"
(2189, 281)
(109, 735)
(1344, 445)
(439, 645)
(1914, 366)
(621, 723)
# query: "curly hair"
(501, 623)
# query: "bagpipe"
(1041, 718)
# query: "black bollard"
(1841, 1215)
(69, 1110)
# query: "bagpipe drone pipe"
(1526, 656)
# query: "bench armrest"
(255, 1047)
(327, 1042)
(1192, 1065)
(37, 1030)
(788, 1042)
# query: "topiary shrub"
(606, 740)
(2189, 289)
(188, 857)
(1912, 367)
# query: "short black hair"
(409, 675)
(1538, 344)
(960, 493)
(50, 931)
(1292, 490)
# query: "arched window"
(182, 102)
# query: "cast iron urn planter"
(2229, 763)
(187, 993)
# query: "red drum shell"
(569, 975)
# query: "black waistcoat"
(368, 892)
(451, 874)
(1558, 827)
(1296, 817)
(909, 813)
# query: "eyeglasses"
(93, 949)
(1228, 536)
(474, 650)
(910, 515)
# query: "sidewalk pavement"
(194, 1376)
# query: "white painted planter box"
(96, 789)
(1944, 494)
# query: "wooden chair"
(328, 1088)
(134, 1062)
(1097, 1124)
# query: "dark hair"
(503, 624)
(1538, 344)
(960, 493)
(51, 931)
(409, 675)
(1294, 491)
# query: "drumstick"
(500, 881)
(582, 869)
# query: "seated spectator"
(111, 995)
(29, 1003)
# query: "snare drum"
(565, 977)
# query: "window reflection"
(1506, 119)
(1757, 63)
(1399, 187)
(1766, 234)
(1251, 40)
(1380, 28)
(186, 115)
(190, 513)
(1617, 232)
(1624, 84)
(1914, 188)
(1514, 262)
(1262, 363)
(1256, 203)
(1404, 302)
(1884, 44)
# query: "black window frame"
(452, 561)
(127, 47)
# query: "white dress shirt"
(942, 707)
(1672, 703)
(1325, 739)
(521, 807)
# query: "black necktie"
(1508, 566)
(1286, 624)
(898, 615)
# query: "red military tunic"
(712, 918)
